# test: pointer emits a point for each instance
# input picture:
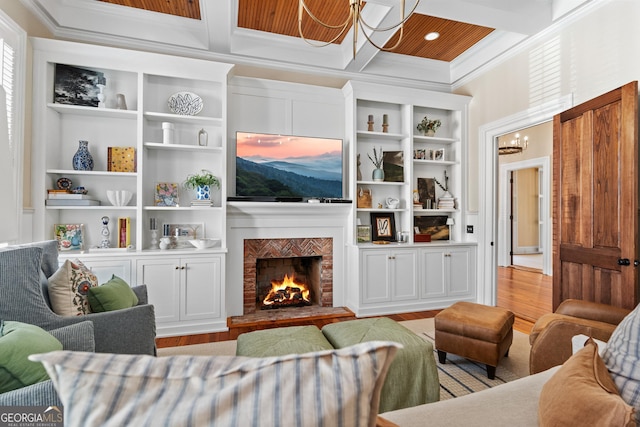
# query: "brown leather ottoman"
(474, 331)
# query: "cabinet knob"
(182, 268)
(177, 267)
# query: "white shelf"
(381, 210)
(435, 162)
(380, 135)
(168, 117)
(91, 173)
(380, 183)
(182, 208)
(93, 111)
(182, 147)
(434, 139)
(92, 208)
(429, 212)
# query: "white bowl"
(119, 197)
(204, 243)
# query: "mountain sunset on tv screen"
(288, 166)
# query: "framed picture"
(166, 194)
(393, 166)
(70, 237)
(364, 233)
(436, 226)
(383, 226)
(77, 86)
(438, 154)
(427, 192)
(419, 154)
(183, 233)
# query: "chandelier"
(516, 145)
(354, 20)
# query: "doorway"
(488, 188)
(524, 222)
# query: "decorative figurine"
(105, 244)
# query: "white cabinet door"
(105, 268)
(404, 285)
(461, 272)
(433, 273)
(200, 294)
(447, 272)
(162, 277)
(375, 277)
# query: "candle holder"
(385, 123)
(370, 123)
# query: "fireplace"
(302, 260)
(288, 282)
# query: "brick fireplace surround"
(255, 249)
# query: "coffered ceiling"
(264, 33)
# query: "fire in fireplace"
(288, 282)
(287, 292)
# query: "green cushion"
(413, 375)
(18, 341)
(113, 295)
(281, 341)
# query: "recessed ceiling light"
(432, 36)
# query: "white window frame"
(13, 35)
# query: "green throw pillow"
(113, 295)
(18, 341)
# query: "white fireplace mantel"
(273, 220)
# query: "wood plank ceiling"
(280, 17)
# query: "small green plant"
(205, 177)
(427, 125)
(377, 162)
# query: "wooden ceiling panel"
(184, 8)
(455, 37)
(281, 17)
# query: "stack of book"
(446, 203)
(207, 203)
(66, 198)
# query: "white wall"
(590, 56)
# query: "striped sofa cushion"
(326, 388)
(622, 358)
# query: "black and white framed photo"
(438, 154)
(77, 86)
(383, 226)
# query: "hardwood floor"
(525, 292)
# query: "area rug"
(457, 377)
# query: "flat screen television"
(287, 166)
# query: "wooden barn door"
(595, 201)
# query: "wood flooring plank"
(528, 294)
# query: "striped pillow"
(332, 387)
(622, 358)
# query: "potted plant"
(202, 182)
(378, 173)
(428, 126)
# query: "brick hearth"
(255, 249)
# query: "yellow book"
(121, 159)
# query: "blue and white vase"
(203, 192)
(82, 160)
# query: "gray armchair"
(24, 298)
(77, 337)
